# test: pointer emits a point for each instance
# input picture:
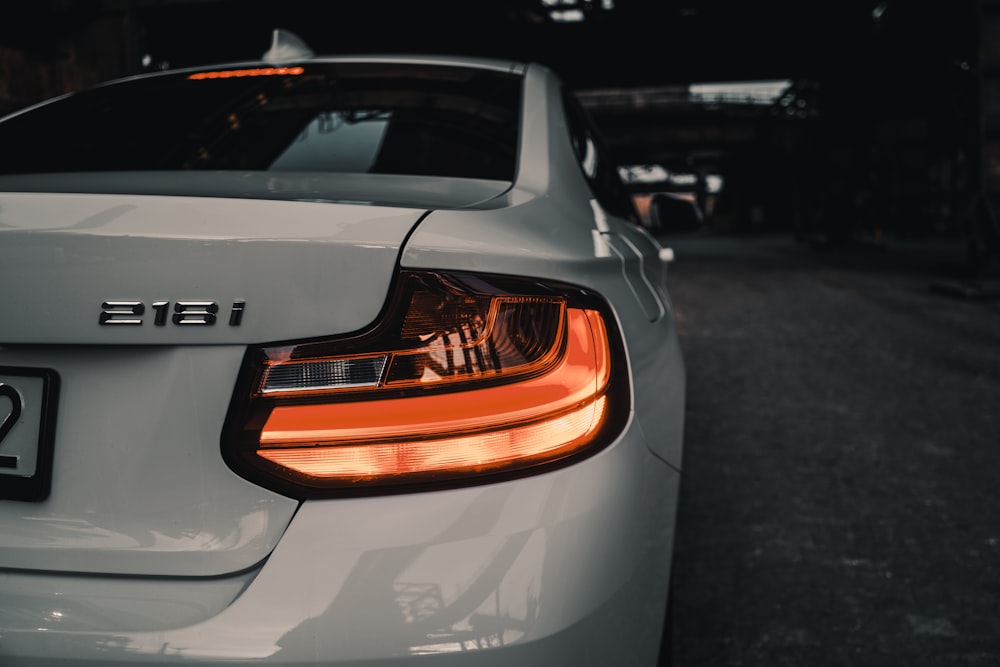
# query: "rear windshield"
(326, 117)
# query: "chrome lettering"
(198, 313)
(236, 317)
(127, 313)
(160, 308)
(185, 313)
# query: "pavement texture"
(840, 502)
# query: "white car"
(330, 360)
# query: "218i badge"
(185, 313)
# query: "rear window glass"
(325, 117)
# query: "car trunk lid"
(138, 485)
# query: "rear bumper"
(568, 567)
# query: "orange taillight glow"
(463, 377)
(240, 73)
(541, 418)
(484, 452)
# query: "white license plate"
(27, 428)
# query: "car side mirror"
(671, 213)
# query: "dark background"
(891, 127)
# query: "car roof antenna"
(286, 46)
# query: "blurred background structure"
(841, 122)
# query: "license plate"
(28, 399)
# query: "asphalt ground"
(840, 501)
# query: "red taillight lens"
(466, 376)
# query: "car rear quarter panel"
(554, 228)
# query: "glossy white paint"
(34, 602)
(304, 269)
(569, 567)
(562, 568)
(139, 487)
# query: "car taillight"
(464, 377)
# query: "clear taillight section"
(466, 377)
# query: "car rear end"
(243, 402)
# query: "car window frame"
(601, 174)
